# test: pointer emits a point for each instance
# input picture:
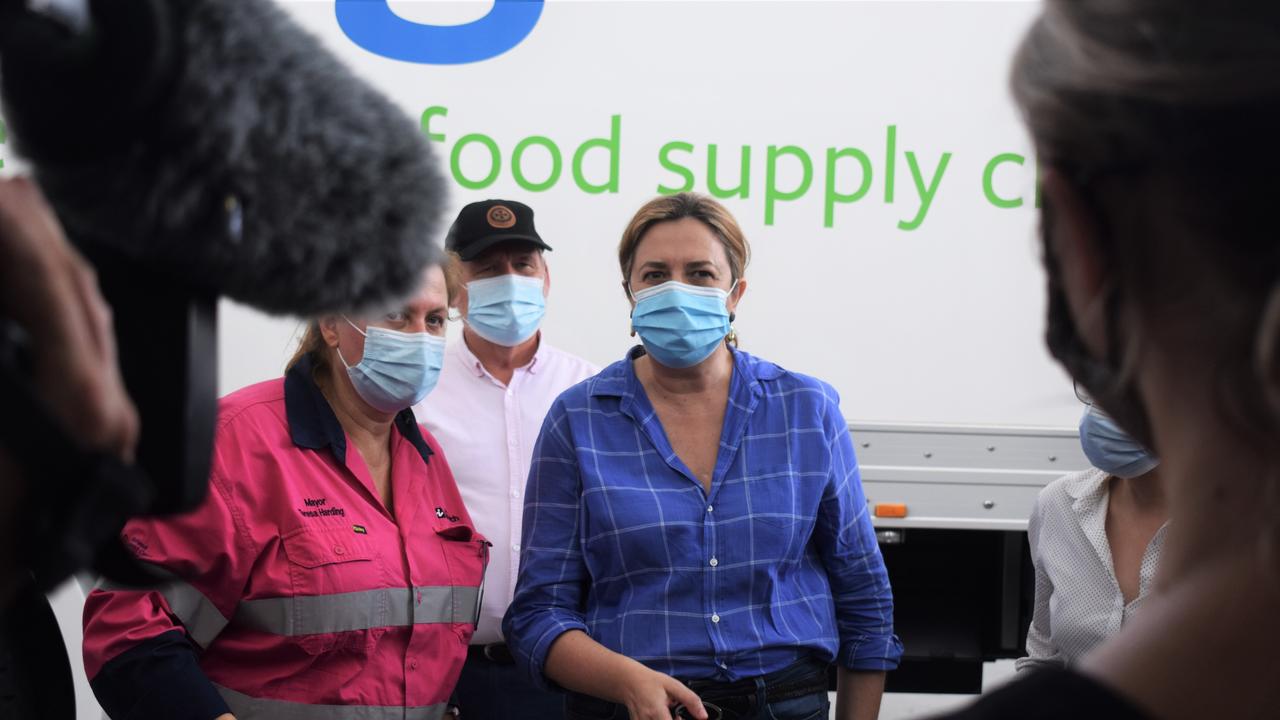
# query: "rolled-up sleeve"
(553, 578)
(846, 542)
(141, 646)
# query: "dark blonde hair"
(1162, 115)
(677, 207)
(313, 344)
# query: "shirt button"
(710, 508)
(714, 562)
(515, 546)
(414, 664)
(515, 494)
(338, 550)
(715, 618)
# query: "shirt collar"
(468, 358)
(409, 429)
(616, 380)
(532, 367)
(1087, 488)
(313, 425)
(475, 367)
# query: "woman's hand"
(581, 664)
(650, 695)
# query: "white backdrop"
(938, 322)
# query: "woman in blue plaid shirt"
(695, 534)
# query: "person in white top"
(486, 412)
(1095, 540)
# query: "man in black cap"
(494, 391)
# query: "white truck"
(876, 164)
(873, 157)
(950, 507)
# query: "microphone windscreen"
(242, 156)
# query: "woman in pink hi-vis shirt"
(331, 573)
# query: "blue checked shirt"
(777, 563)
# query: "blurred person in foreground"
(50, 292)
(1155, 124)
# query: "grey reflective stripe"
(198, 614)
(384, 607)
(251, 708)
(106, 585)
(464, 603)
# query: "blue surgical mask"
(680, 325)
(398, 369)
(1110, 449)
(506, 309)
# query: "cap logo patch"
(501, 217)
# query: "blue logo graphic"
(373, 26)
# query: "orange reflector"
(891, 510)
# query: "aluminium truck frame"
(950, 505)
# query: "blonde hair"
(313, 344)
(677, 207)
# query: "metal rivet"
(991, 448)
(928, 455)
(1053, 458)
(866, 445)
(988, 504)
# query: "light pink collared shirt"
(487, 431)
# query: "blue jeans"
(755, 705)
(490, 691)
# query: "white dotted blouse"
(1078, 600)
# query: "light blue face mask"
(681, 325)
(398, 369)
(1110, 449)
(506, 309)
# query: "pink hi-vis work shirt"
(295, 593)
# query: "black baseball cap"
(481, 225)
